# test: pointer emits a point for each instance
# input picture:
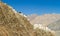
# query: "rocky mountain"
(44, 19)
(16, 24)
(12, 23)
(55, 26)
(31, 17)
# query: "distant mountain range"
(55, 25)
(45, 19)
(52, 21)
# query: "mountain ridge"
(15, 24)
(45, 19)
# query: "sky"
(35, 6)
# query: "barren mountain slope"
(45, 19)
(32, 17)
(10, 22)
(15, 24)
(55, 26)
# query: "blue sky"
(35, 6)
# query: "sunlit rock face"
(14, 24)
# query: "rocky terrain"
(16, 24)
(55, 26)
(32, 17)
(52, 21)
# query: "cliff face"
(15, 24)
